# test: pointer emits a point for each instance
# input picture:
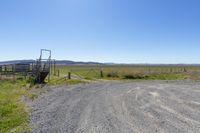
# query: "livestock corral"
(38, 69)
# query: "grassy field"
(131, 72)
(13, 117)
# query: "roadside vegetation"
(14, 93)
(59, 81)
(13, 115)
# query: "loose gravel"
(119, 107)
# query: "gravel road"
(119, 107)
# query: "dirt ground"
(119, 107)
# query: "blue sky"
(121, 31)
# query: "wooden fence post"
(101, 73)
(69, 75)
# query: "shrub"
(113, 75)
(135, 76)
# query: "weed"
(113, 75)
(12, 111)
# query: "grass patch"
(33, 96)
(156, 76)
(13, 116)
(135, 76)
(58, 81)
(113, 75)
(166, 77)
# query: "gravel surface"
(119, 107)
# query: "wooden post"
(69, 75)
(101, 73)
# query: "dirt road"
(119, 107)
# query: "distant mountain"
(59, 62)
(16, 62)
(68, 62)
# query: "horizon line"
(117, 63)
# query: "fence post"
(69, 75)
(101, 72)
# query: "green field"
(131, 72)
